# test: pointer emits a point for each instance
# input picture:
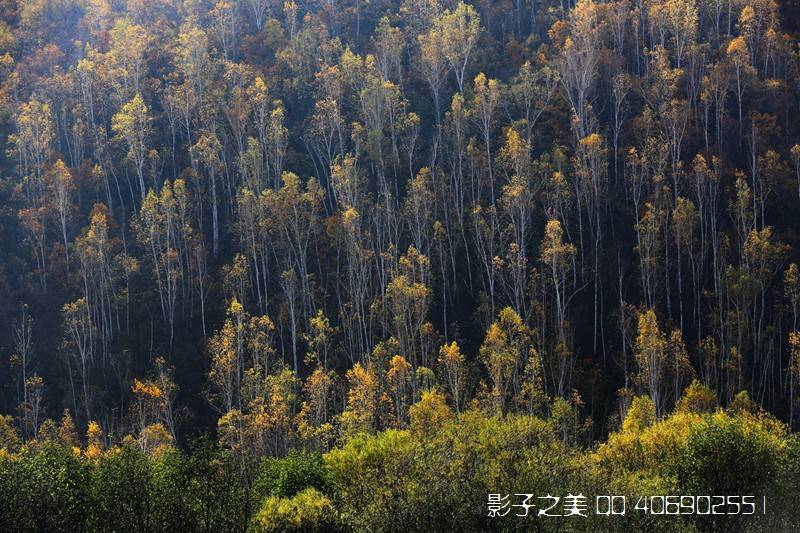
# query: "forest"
(350, 265)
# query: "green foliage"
(693, 453)
(764, 455)
(171, 500)
(439, 481)
(413, 480)
(216, 492)
(120, 491)
(9, 440)
(45, 489)
(742, 403)
(284, 477)
(360, 470)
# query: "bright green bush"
(308, 511)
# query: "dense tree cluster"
(435, 475)
(289, 224)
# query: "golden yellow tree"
(314, 425)
(399, 377)
(503, 350)
(459, 30)
(364, 400)
(652, 359)
(452, 362)
(132, 126)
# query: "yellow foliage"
(737, 49)
(67, 434)
(309, 510)
(430, 413)
(350, 215)
(399, 371)
(94, 431)
(501, 352)
(651, 351)
(697, 398)
(554, 251)
(94, 447)
(155, 439)
(648, 449)
(641, 415)
(592, 141)
(92, 452)
(146, 388)
(362, 400)
(450, 354)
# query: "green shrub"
(308, 511)
(286, 476)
